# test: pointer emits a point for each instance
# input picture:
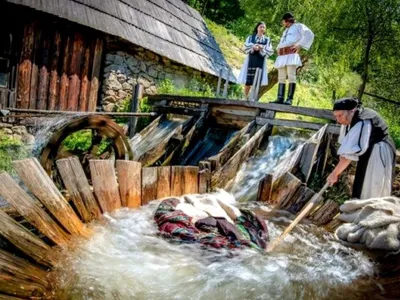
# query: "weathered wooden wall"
(59, 67)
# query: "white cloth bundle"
(374, 222)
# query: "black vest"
(379, 133)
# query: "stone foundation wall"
(18, 132)
(122, 71)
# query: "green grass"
(10, 149)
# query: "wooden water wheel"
(102, 128)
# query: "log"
(85, 83)
(83, 189)
(265, 189)
(191, 181)
(130, 183)
(283, 190)
(54, 85)
(163, 182)
(70, 182)
(40, 184)
(25, 67)
(204, 181)
(149, 184)
(25, 241)
(20, 278)
(75, 73)
(232, 166)
(30, 210)
(325, 213)
(97, 47)
(105, 184)
(64, 82)
(177, 180)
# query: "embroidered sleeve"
(267, 49)
(355, 143)
(307, 36)
(248, 45)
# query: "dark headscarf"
(346, 103)
(256, 28)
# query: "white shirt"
(297, 34)
(356, 142)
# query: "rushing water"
(280, 148)
(126, 259)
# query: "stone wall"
(122, 71)
(18, 132)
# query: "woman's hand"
(256, 47)
(332, 178)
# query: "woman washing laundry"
(364, 138)
(257, 47)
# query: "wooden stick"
(258, 83)
(310, 205)
(219, 83)
(225, 93)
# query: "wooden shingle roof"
(167, 27)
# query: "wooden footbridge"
(50, 207)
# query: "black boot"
(281, 94)
(292, 89)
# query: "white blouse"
(355, 142)
(266, 50)
(297, 34)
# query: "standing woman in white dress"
(364, 138)
(295, 37)
(257, 47)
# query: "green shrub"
(10, 149)
(81, 141)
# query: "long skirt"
(255, 61)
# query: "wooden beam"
(306, 111)
(161, 109)
(230, 169)
(54, 84)
(149, 184)
(191, 181)
(40, 184)
(130, 183)
(163, 182)
(283, 190)
(177, 180)
(95, 74)
(26, 241)
(30, 210)
(105, 184)
(265, 189)
(332, 128)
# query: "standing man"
(364, 138)
(295, 37)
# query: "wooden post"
(64, 81)
(163, 182)
(219, 84)
(134, 108)
(265, 189)
(105, 184)
(177, 180)
(259, 80)
(130, 183)
(95, 74)
(54, 85)
(225, 93)
(85, 82)
(26, 241)
(75, 73)
(204, 181)
(283, 189)
(30, 210)
(149, 184)
(191, 181)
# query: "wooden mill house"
(78, 55)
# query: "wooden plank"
(130, 183)
(232, 166)
(25, 67)
(64, 81)
(283, 190)
(307, 159)
(30, 210)
(204, 181)
(54, 84)
(43, 85)
(149, 184)
(325, 213)
(265, 189)
(24, 240)
(300, 198)
(85, 83)
(40, 184)
(70, 182)
(306, 111)
(75, 72)
(36, 51)
(332, 128)
(105, 184)
(95, 74)
(163, 182)
(177, 181)
(84, 189)
(196, 112)
(20, 278)
(191, 180)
